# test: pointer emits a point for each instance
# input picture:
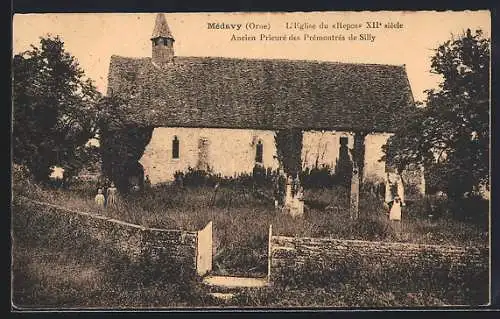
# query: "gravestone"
(288, 192)
(294, 203)
(299, 208)
(354, 198)
(295, 207)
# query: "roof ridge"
(268, 59)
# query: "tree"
(122, 142)
(289, 150)
(450, 135)
(54, 110)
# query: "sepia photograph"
(258, 160)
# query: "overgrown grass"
(58, 264)
(241, 220)
(343, 296)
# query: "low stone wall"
(153, 247)
(290, 256)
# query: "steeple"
(162, 42)
(161, 29)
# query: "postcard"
(285, 160)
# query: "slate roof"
(161, 28)
(262, 93)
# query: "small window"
(259, 152)
(175, 147)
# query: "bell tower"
(162, 42)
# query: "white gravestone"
(354, 206)
(293, 204)
(288, 192)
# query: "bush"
(194, 178)
(263, 177)
(260, 177)
(336, 197)
(473, 209)
(377, 189)
(429, 206)
(373, 228)
(318, 178)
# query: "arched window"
(175, 147)
(259, 152)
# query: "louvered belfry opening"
(162, 42)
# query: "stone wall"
(154, 247)
(289, 255)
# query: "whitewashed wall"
(322, 146)
(325, 146)
(230, 151)
(374, 171)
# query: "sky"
(92, 38)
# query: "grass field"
(50, 276)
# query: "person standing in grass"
(112, 195)
(147, 183)
(99, 199)
(395, 213)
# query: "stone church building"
(222, 113)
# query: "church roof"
(262, 93)
(161, 28)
